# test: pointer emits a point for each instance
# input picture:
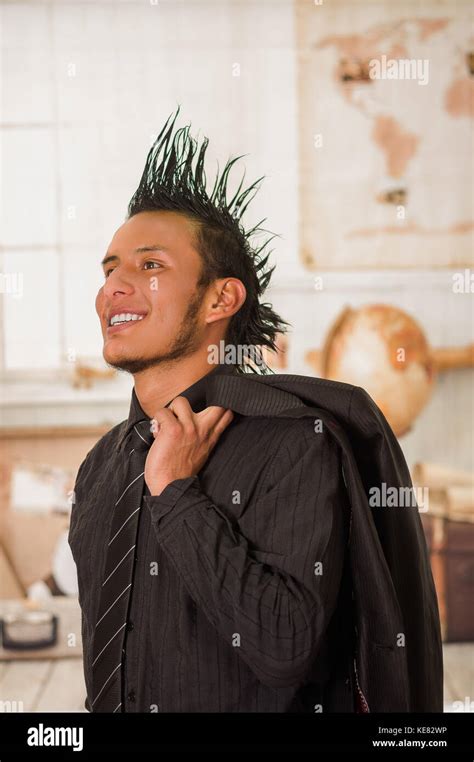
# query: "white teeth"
(124, 317)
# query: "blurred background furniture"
(38, 472)
(49, 679)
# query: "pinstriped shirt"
(235, 605)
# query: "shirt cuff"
(177, 498)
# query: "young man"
(228, 560)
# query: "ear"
(226, 297)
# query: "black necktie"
(109, 636)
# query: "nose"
(117, 283)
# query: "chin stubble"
(185, 343)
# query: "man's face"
(149, 305)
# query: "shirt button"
(129, 626)
(131, 696)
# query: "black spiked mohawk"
(174, 179)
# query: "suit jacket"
(397, 639)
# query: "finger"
(164, 418)
(183, 411)
(208, 419)
(220, 425)
(210, 415)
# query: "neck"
(156, 386)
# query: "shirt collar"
(195, 394)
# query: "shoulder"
(292, 381)
(283, 440)
(347, 404)
(268, 428)
(285, 387)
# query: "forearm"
(275, 620)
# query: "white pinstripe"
(109, 641)
(126, 488)
(127, 519)
(111, 674)
(142, 438)
(117, 707)
(114, 570)
(112, 605)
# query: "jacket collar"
(195, 394)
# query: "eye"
(108, 271)
(151, 262)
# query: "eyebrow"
(141, 250)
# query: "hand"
(183, 442)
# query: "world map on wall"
(392, 103)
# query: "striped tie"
(109, 636)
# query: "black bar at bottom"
(57, 735)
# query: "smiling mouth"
(125, 318)
(122, 322)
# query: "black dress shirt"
(238, 574)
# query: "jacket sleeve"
(272, 599)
